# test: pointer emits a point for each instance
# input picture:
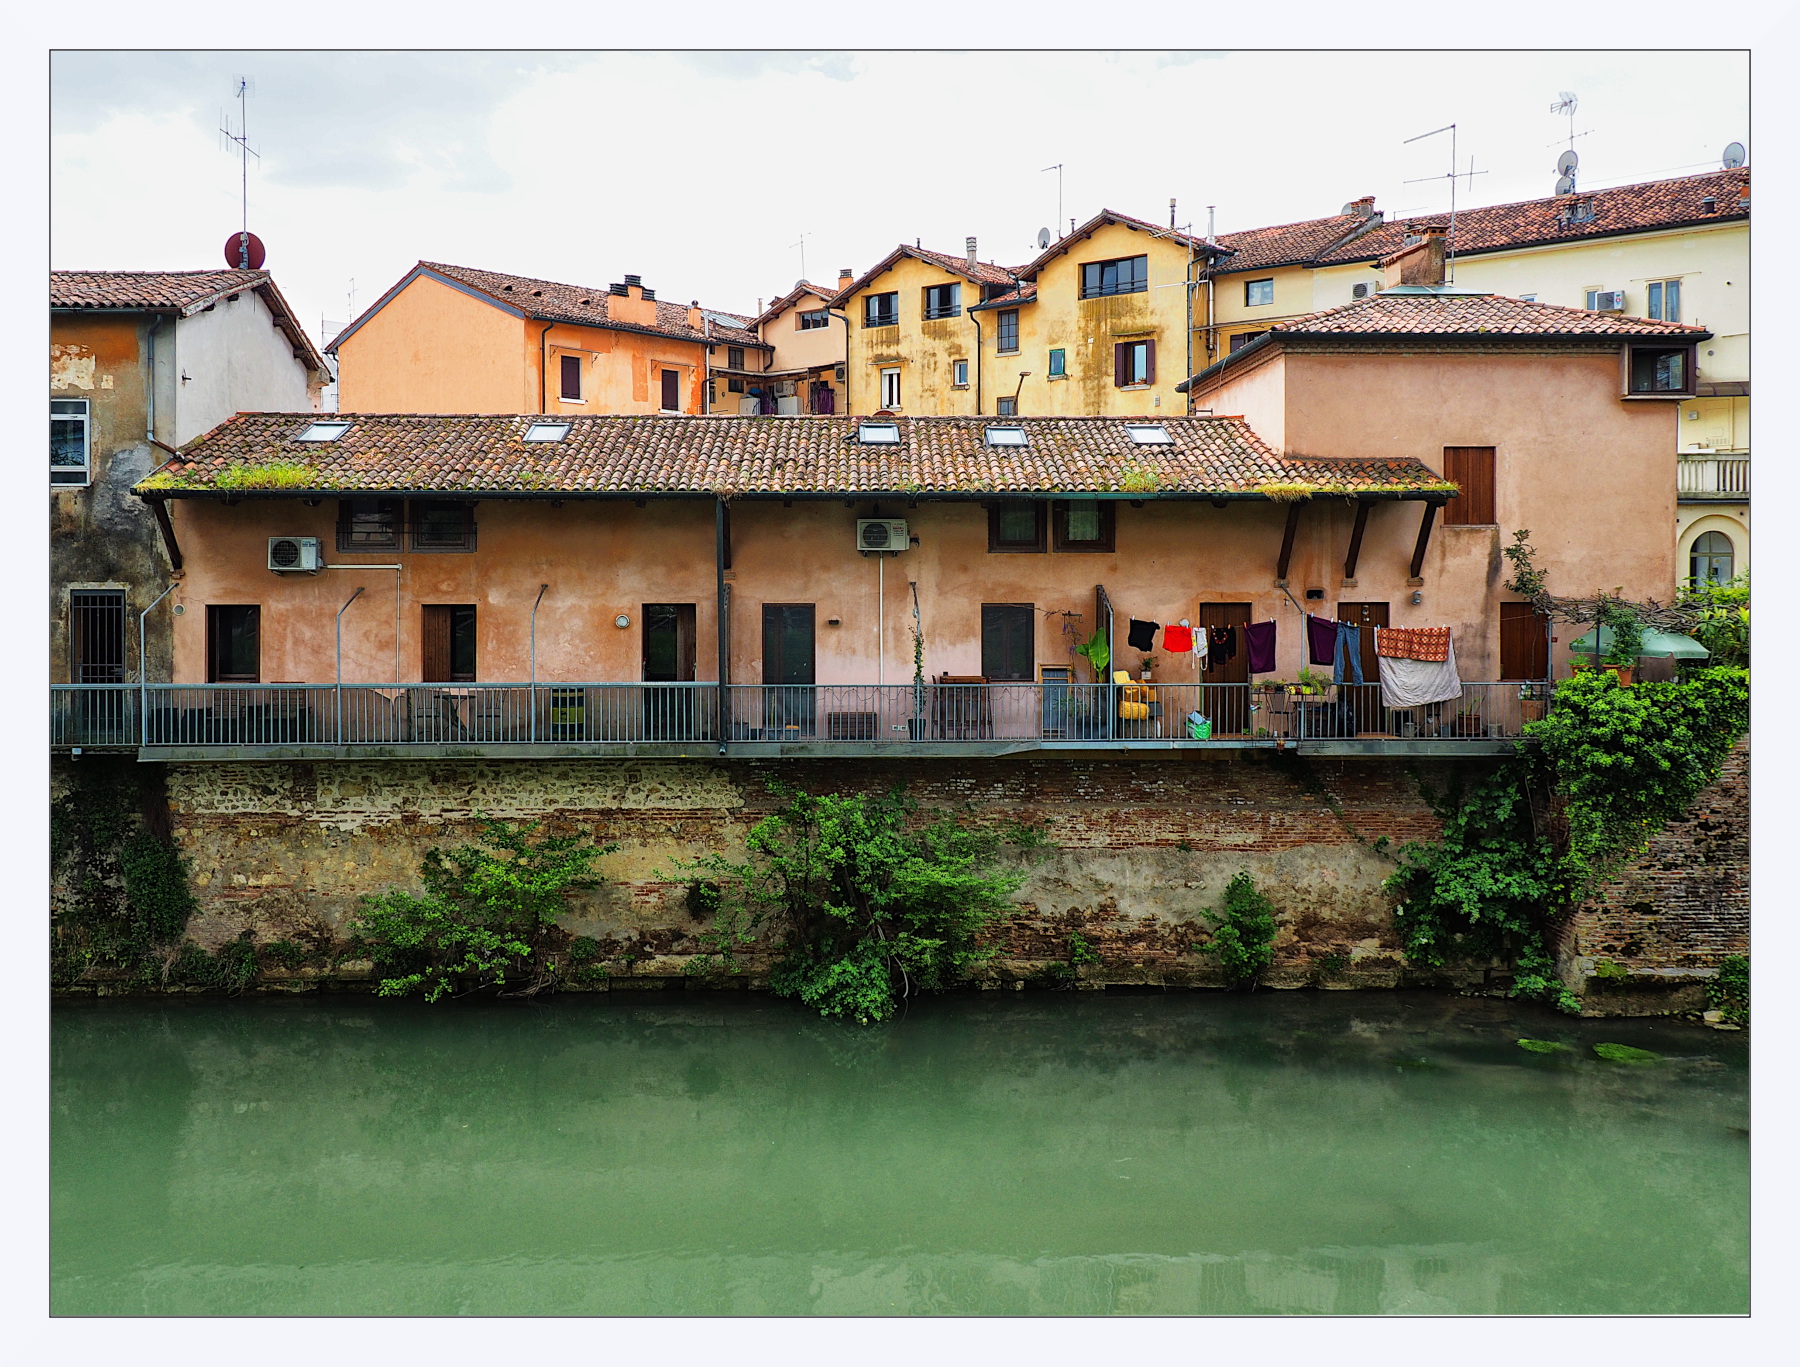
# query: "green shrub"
(1243, 938)
(1729, 991)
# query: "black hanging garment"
(1221, 645)
(1142, 635)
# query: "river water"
(1041, 1154)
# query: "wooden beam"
(1418, 560)
(1356, 535)
(1287, 540)
(160, 508)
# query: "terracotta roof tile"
(180, 292)
(983, 272)
(705, 456)
(1105, 216)
(1406, 313)
(1287, 244)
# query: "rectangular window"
(1058, 362)
(1007, 641)
(812, 318)
(1240, 340)
(442, 526)
(671, 391)
(69, 444)
(890, 387)
(97, 636)
(448, 643)
(1016, 525)
(233, 644)
(1006, 330)
(881, 310)
(1134, 363)
(1665, 300)
(735, 383)
(1127, 275)
(1658, 371)
(1471, 468)
(571, 377)
(734, 358)
(1007, 407)
(1258, 292)
(369, 524)
(1084, 524)
(959, 374)
(943, 301)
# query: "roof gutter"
(790, 496)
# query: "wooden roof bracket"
(1425, 520)
(1287, 543)
(160, 508)
(1356, 537)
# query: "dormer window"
(547, 431)
(878, 433)
(323, 431)
(1006, 436)
(1149, 434)
(1660, 372)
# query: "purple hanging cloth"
(1259, 645)
(1321, 639)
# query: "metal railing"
(392, 716)
(1721, 475)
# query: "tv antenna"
(246, 87)
(801, 244)
(1058, 168)
(1452, 175)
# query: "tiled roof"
(982, 273)
(551, 301)
(1025, 294)
(802, 289)
(1287, 244)
(1105, 216)
(1426, 312)
(705, 456)
(180, 292)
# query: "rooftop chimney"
(632, 303)
(1363, 207)
(845, 276)
(634, 280)
(1420, 264)
(970, 244)
(694, 318)
(1708, 204)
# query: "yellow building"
(1671, 250)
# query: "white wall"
(236, 360)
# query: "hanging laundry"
(1430, 644)
(1259, 645)
(1321, 639)
(1177, 639)
(1142, 635)
(1347, 655)
(1221, 645)
(1410, 683)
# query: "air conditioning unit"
(294, 554)
(839, 372)
(784, 389)
(881, 534)
(1360, 290)
(1609, 301)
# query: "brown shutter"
(1150, 362)
(1119, 365)
(435, 648)
(1471, 468)
(1524, 642)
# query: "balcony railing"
(1719, 476)
(396, 718)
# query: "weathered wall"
(1681, 907)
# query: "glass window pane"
(1084, 519)
(1672, 302)
(1655, 302)
(68, 442)
(1018, 523)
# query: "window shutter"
(1150, 362)
(435, 645)
(1471, 468)
(1119, 363)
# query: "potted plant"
(1309, 684)
(1096, 652)
(1146, 663)
(916, 725)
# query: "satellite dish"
(1044, 233)
(802, 283)
(1565, 185)
(1567, 162)
(244, 251)
(1734, 156)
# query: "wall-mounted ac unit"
(784, 389)
(881, 534)
(1360, 290)
(1609, 301)
(294, 554)
(840, 374)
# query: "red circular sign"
(244, 251)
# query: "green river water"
(1037, 1154)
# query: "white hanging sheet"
(1411, 683)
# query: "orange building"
(451, 339)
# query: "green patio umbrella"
(1657, 644)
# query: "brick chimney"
(1420, 264)
(1364, 207)
(632, 303)
(845, 277)
(694, 318)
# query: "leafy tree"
(864, 909)
(1243, 938)
(1724, 625)
(485, 917)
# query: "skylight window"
(547, 431)
(323, 431)
(1006, 436)
(878, 433)
(1149, 434)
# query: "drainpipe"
(143, 670)
(340, 659)
(544, 369)
(706, 360)
(975, 318)
(542, 588)
(720, 628)
(844, 314)
(150, 383)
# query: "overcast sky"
(700, 171)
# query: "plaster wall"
(232, 358)
(924, 349)
(436, 349)
(814, 346)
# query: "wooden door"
(668, 658)
(1524, 642)
(1008, 642)
(788, 665)
(1365, 701)
(1223, 696)
(447, 643)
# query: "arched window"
(1710, 561)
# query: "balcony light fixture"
(1006, 436)
(878, 433)
(547, 431)
(323, 431)
(1149, 434)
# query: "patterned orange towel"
(1430, 644)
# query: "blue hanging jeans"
(1349, 654)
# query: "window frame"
(664, 374)
(1038, 544)
(1006, 325)
(1057, 366)
(1099, 289)
(959, 374)
(1124, 368)
(953, 309)
(85, 417)
(1628, 365)
(881, 318)
(1105, 544)
(215, 620)
(97, 615)
(347, 539)
(1256, 285)
(734, 384)
(734, 358)
(569, 369)
(887, 373)
(415, 521)
(1006, 406)
(811, 320)
(1695, 553)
